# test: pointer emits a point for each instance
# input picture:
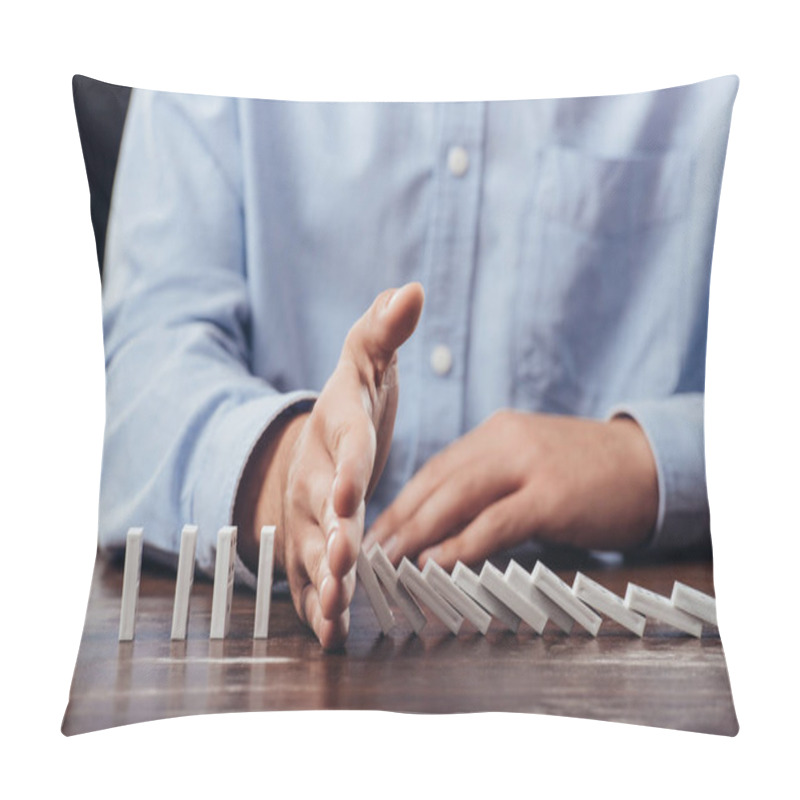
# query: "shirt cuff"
(674, 429)
(227, 449)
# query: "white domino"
(561, 594)
(469, 582)
(387, 575)
(523, 583)
(659, 607)
(412, 579)
(606, 602)
(376, 597)
(266, 552)
(442, 583)
(495, 582)
(694, 602)
(130, 583)
(223, 583)
(183, 582)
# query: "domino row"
(518, 596)
(222, 594)
(511, 598)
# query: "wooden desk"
(666, 679)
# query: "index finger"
(350, 438)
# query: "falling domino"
(376, 597)
(469, 582)
(442, 583)
(522, 581)
(223, 583)
(606, 602)
(130, 583)
(413, 581)
(387, 575)
(494, 581)
(183, 583)
(659, 607)
(561, 594)
(266, 549)
(694, 602)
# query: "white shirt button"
(457, 161)
(441, 359)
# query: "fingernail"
(390, 547)
(350, 583)
(331, 540)
(333, 529)
(433, 554)
(391, 300)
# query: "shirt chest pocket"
(599, 283)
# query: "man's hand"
(521, 475)
(314, 476)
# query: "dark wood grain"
(665, 679)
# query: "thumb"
(388, 323)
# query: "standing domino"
(659, 607)
(442, 583)
(561, 594)
(469, 582)
(223, 583)
(391, 583)
(266, 550)
(130, 583)
(376, 597)
(419, 588)
(183, 583)
(694, 602)
(523, 583)
(606, 602)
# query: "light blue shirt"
(564, 247)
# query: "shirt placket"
(449, 273)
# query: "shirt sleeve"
(674, 429)
(183, 409)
